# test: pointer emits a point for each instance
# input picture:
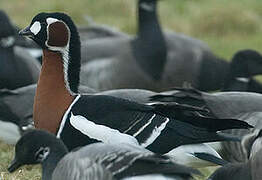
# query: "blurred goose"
(241, 105)
(92, 118)
(17, 68)
(246, 170)
(97, 161)
(152, 60)
(220, 105)
(97, 31)
(245, 64)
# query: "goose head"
(29, 150)
(50, 31)
(57, 33)
(246, 63)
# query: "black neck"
(237, 69)
(74, 57)
(148, 24)
(150, 46)
(50, 163)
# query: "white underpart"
(184, 155)
(62, 124)
(147, 6)
(7, 41)
(149, 177)
(155, 133)
(9, 132)
(63, 50)
(35, 28)
(242, 79)
(143, 127)
(100, 132)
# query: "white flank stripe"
(100, 132)
(155, 133)
(143, 127)
(62, 124)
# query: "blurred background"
(227, 26)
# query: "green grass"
(225, 25)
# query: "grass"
(226, 26)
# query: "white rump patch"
(51, 20)
(147, 6)
(100, 132)
(155, 133)
(35, 28)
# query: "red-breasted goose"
(59, 108)
(17, 68)
(152, 60)
(245, 64)
(96, 161)
(19, 117)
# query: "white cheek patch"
(51, 20)
(35, 28)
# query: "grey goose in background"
(97, 31)
(152, 60)
(245, 106)
(250, 169)
(17, 67)
(244, 66)
(96, 161)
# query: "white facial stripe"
(147, 6)
(51, 20)
(35, 28)
(100, 132)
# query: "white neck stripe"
(62, 124)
